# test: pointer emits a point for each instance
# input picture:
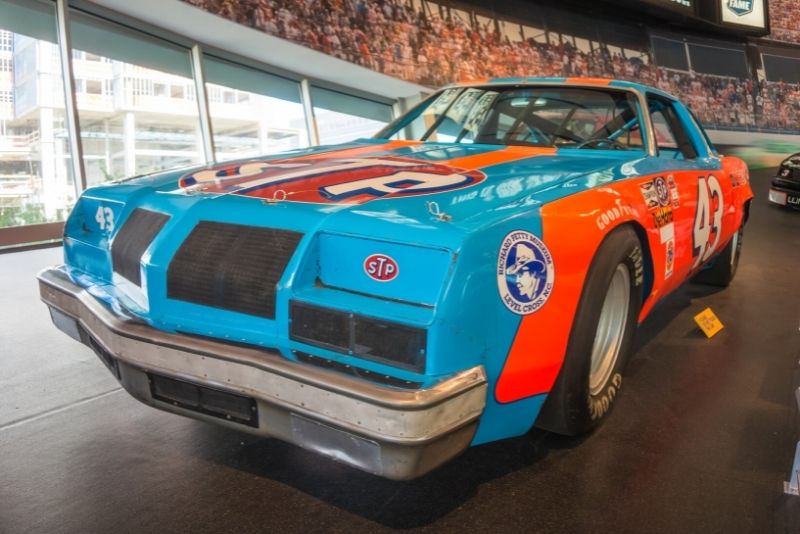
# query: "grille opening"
(231, 266)
(132, 240)
(389, 341)
(101, 353)
(320, 326)
(366, 337)
(205, 400)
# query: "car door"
(697, 223)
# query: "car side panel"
(573, 228)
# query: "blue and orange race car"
(477, 268)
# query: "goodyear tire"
(600, 339)
(725, 265)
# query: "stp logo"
(331, 180)
(381, 267)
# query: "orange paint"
(589, 81)
(495, 157)
(573, 229)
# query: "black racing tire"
(725, 265)
(574, 406)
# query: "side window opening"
(671, 137)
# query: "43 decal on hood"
(330, 181)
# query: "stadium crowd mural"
(784, 20)
(402, 38)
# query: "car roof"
(575, 81)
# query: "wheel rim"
(610, 329)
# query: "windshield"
(528, 116)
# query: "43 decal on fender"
(707, 228)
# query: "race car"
(785, 190)
(476, 269)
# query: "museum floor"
(700, 441)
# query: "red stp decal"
(381, 267)
(331, 181)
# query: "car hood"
(407, 182)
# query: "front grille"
(231, 266)
(205, 400)
(381, 340)
(132, 240)
(365, 337)
(320, 326)
(785, 183)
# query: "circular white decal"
(525, 272)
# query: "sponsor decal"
(793, 201)
(381, 268)
(330, 181)
(649, 194)
(673, 192)
(662, 217)
(667, 235)
(669, 264)
(662, 191)
(740, 7)
(525, 272)
(612, 214)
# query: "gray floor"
(701, 439)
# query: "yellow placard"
(708, 322)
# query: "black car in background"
(785, 188)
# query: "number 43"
(705, 222)
(105, 218)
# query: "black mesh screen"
(231, 266)
(389, 341)
(320, 326)
(132, 240)
(365, 337)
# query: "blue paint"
(447, 282)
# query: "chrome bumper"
(391, 432)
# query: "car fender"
(572, 228)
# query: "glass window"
(719, 61)
(781, 69)
(131, 120)
(252, 112)
(36, 183)
(672, 141)
(341, 117)
(670, 54)
(531, 116)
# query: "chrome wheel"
(610, 329)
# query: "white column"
(129, 143)
(51, 196)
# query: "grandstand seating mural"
(423, 42)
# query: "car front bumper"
(785, 192)
(391, 432)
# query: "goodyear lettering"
(600, 405)
(637, 258)
(612, 214)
